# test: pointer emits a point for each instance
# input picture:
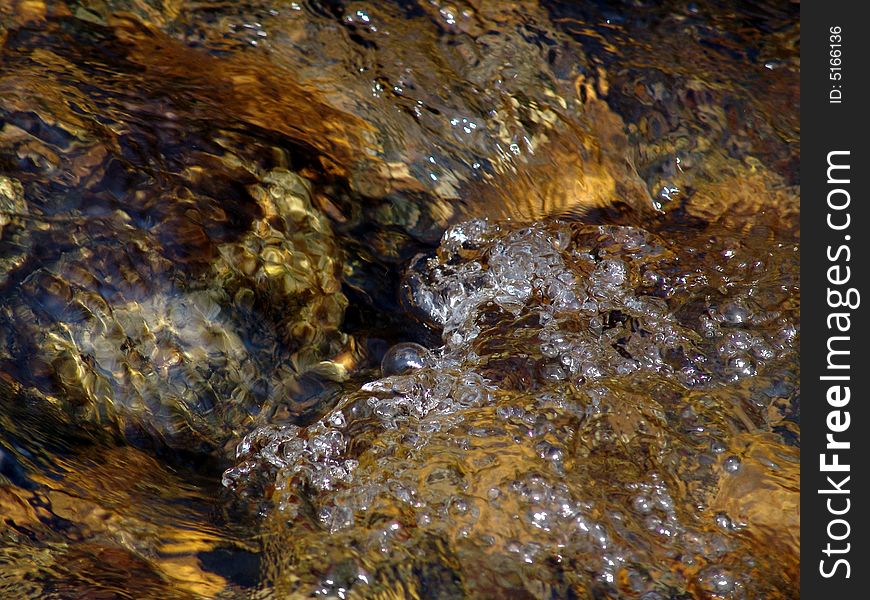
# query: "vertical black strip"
(835, 421)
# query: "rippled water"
(399, 299)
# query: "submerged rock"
(116, 331)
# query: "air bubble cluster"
(572, 427)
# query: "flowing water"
(400, 299)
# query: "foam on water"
(575, 426)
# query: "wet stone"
(120, 341)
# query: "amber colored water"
(217, 217)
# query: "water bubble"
(717, 581)
(539, 518)
(732, 464)
(548, 451)
(337, 419)
(724, 521)
(611, 273)
(335, 518)
(642, 504)
(549, 350)
(405, 357)
(734, 314)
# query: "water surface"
(216, 218)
